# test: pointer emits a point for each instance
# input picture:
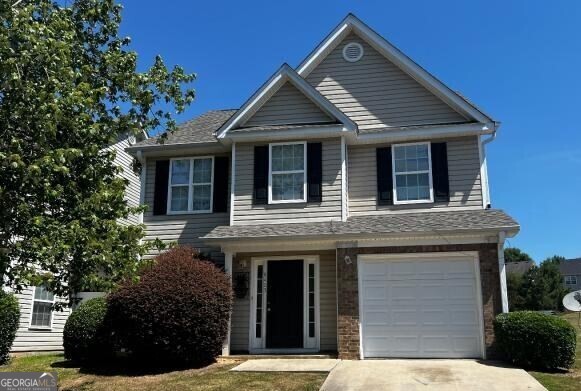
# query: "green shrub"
(85, 337)
(9, 318)
(177, 313)
(535, 340)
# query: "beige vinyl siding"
(329, 209)
(239, 337)
(125, 161)
(28, 339)
(375, 93)
(185, 229)
(288, 106)
(463, 172)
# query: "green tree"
(69, 87)
(513, 254)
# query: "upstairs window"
(42, 303)
(412, 173)
(191, 185)
(570, 280)
(288, 176)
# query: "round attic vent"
(352, 52)
(131, 140)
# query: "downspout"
(502, 271)
(141, 159)
(484, 166)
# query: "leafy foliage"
(540, 288)
(85, 336)
(513, 254)
(69, 88)
(177, 312)
(535, 340)
(9, 317)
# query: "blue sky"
(518, 60)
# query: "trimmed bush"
(9, 318)
(85, 336)
(535, 340)
(178, 311)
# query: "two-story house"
(348, 198)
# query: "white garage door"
(419, 307)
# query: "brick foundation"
(348, 291)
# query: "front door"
(284, 307)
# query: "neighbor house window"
(570, 280)
(42, 302)
(412, 173)
(288, 180)
(190, 185)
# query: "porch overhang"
(469, 226)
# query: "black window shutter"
(160, 190)
(314, 172)
(384, 176)
(221, 170)
(260, 174)
(440, 172)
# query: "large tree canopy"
(69, 86)
(513, 254)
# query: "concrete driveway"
(411, 375)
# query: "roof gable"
(375, 93)
(351, 24)
(288, 106)
(285, 75)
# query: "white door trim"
(258, 345)
(473, 255)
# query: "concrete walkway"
(287, 365)
(440, 375)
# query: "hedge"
(177, 312)
(85, 337)
(9, 318)
(535, 340)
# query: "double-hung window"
(288, 175)
(412, 173)
(42, 302)
(191, 185)
(570, 280)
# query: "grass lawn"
(570, 381)
(213, 377)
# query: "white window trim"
(430, 179)
(304, 171)
(30, 325)
(190, 187)
(569, 280)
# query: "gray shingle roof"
(519, 267)
(570, 267)
(198, 130)
(432, 222)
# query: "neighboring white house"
(41, 329)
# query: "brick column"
(347, 305)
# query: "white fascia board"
(411, 134)
(291, 134)
(406, 64)
(285, 73)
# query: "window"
(42, 302)
(412, 173)
(570, 280)
(191, 185)
(288, 182)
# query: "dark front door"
(284, 307)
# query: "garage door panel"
(420, 308)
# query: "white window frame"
(190, 187)
(33, 300)
(304, 171)
(394, 175)
(569, 280)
